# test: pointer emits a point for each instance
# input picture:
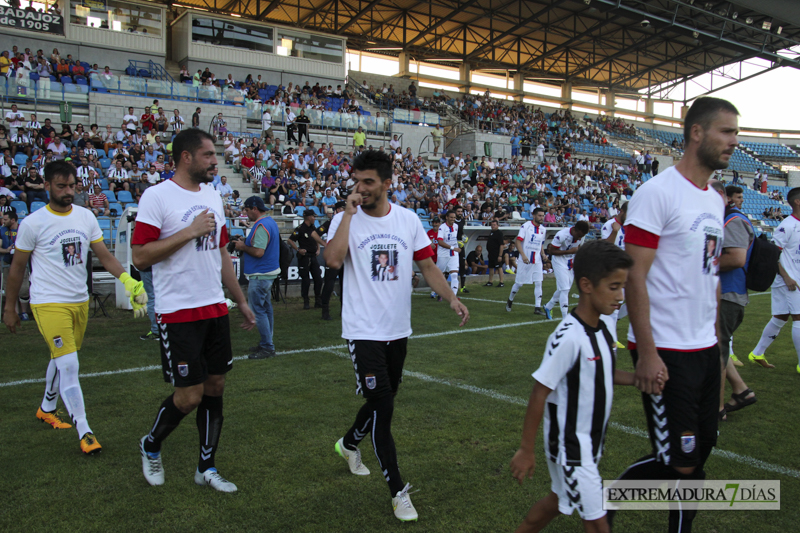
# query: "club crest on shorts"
(688, 442)
(183, 369)
(59, 343)
(371, 382)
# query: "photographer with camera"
(302, 240)
(261, 264)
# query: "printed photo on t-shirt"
(711, 252)
(71, 252)
(384, 265)
(206, 242)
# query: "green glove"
(135, 291)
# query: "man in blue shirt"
(261, 266)
(515, 140)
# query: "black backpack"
(763, 265)
(287, 254)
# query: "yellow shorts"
(62, 326)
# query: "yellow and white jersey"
(59, 246)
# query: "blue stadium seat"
(237, 231)
(110, 195)
(117, 207)
(20, 159)
(105, 223)
(35, 206)
(299, 210)
(104, 184)
(20, 207)
(124, 197)
(105, 163)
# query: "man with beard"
(180, 232)
(673, 296)
(54, 239)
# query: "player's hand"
(11, 319)
(203, 224)
(351, 204)
(301, 251)
(456, 250)
(526, 260)
(790, 283)
(461, 310)
(249, 318)
(651, 374)
(523, 465)
(318, 249)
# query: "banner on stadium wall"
(20, 19)
(97, 5)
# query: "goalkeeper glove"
(135, 291)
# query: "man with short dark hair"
(562, 250)
(307, 249)
(261, 266)
(181, 232)
(673, 233)
(56, 240)
(378, 244)
(494, 248)
(329, 282)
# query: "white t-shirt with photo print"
(685, 225)
(59, 243)
(377, 273)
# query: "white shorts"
(785, 302)
(564, 277)
(530, 273)
(447, 263)
(578, 488)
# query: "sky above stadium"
(767, 101)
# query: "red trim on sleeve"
(520, 238)
(439, 240)
(193, 315)
(423, 253)
(223, 236)
(144, 233)
(640, 237)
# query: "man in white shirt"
(130, 121)
(266, 123)
(291, 127)
(377, 280)
(530, 244)
(14, 118)
(177, 122)
(395, 143)
(58, 148)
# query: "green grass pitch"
(457, 424)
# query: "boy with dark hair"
(574, 380)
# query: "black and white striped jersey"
(578, 366)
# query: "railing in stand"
(156, 71)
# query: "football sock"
(71, 393)
(680, 521)
(514, 290)
(382, 441)
(209, 427)
(796, 338)
(553, 301)
(454, 286)
(563, 300)
(730, 344)
(771, 331)
(537, 293)
(360, 427)
(463, 281)
(50, 400)
(167, 419)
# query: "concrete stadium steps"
(80, 115)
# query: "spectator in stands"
(177, 122)
(302, 122)
(359, 138)
(197, 78)
(130, 121)
(184, 74)
(218, 126)
(196, 117)
(290, 126)
(34, 188)
(14, 119)
(99, 203)
(58, 147)
(21, 142)
(147, 120)
(81, 197)
(224, 189)
(118, 177)
(152, 176)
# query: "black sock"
(209, 427)
(644, 468)
(681, 521)
(361, 427)
(463, 281)
(167, 419)
(382, 411)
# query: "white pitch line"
(742, 459)
(738, 458)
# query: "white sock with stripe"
(771, 331)
(454, 282)
(514, 290)
(50, 399)
(537, 292)
(796, 338)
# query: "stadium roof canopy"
(624, 45)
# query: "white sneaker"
(212, 478)
(403, 508)
(152, 467)
(353, 458)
